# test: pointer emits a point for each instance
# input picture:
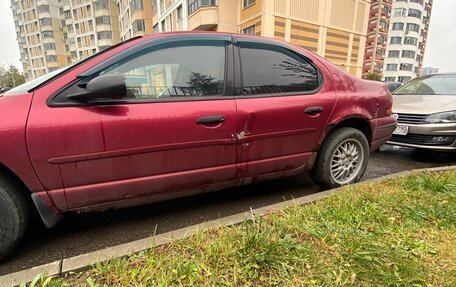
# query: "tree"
(373, 76)
(10, 76)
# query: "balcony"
(203, 15)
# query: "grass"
(400, 232)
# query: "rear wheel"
(13, 216)
(342, 158)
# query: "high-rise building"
(377, 36)
(406, 40)
(54, 33)
(335, 29)
(88, 26)
(39, 36)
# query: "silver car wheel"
(346, 161)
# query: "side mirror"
(103, 89)
(392, 86)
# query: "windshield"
(433, 85)
(22, 89)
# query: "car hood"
(423, 104)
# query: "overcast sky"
(440, 52)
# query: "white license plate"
(401, 130)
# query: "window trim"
(84, 77)
(239, 81)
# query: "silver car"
(425, 109)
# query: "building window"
(406, 67)
(43, 8)
(398, 26)
(156, 30)
(403, 79)
(104, 35)
(410, 41)
(45, 21)
(138, 26)
(48, 34)
(196, 4)
(381, 39)
(391, 67)
(163, 26)
(390, 79)
(379, 53)
(396, 40)
(136, 5)
(394, 54)
(101, 4)
(103, 20)
(249, 30)
(417, 1)
(408, 54)
(400, 12)
(414, 13)
(51, 58)
(179, 13)
(247, 3)
(413, 27)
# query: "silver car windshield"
(22, 89)
(431, 85)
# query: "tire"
(13, 215)
(328, 173)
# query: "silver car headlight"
(445, 117)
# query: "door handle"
(211, 120)
(313, 110)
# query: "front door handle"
(211, 120)
(313, 110)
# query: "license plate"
(401, 130)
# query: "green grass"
(396, 233)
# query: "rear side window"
(268, 69)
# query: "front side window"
(170, 71)
(396, 40)
(272, 70)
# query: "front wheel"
(342, 159)
(13, 216)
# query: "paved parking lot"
(81, 234)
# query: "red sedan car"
(176, 114)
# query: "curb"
(80, 262)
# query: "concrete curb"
(83, 261)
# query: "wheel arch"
(358, 122)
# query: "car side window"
(268, 69)
(174, 71)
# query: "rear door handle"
(313, 110)
(211, 120)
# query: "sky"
(440, 51)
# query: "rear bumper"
(382, 129)
(438, 137)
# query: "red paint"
(92, 158)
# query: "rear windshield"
(432, 85)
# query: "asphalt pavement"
(89, 232)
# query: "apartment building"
(335, 29)
(377, 36)
(55, 33)
(88, 26)
(40, 40)
(407, 39)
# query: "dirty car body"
(190, 113)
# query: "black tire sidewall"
(321, 172)
(13, 217)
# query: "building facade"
(55, 33)
(335, 29)
(407, 39)
(39, 36)
(377, 36)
